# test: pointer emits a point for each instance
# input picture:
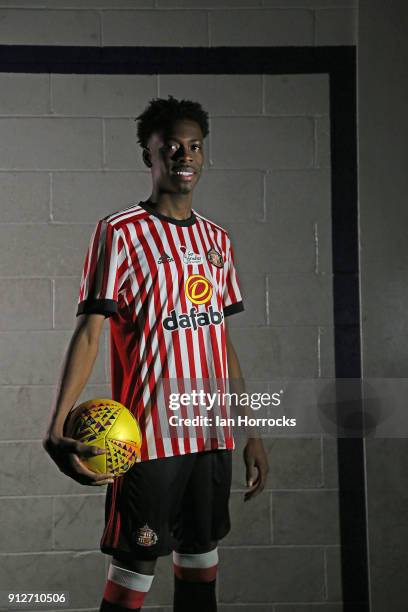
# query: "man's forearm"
(237, 386)
(75, 372)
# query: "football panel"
(126, 428)
(121, 455)
(96, 464)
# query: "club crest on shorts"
(215, 258)
(145, 536)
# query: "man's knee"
(136, 565)
(128, 583)
(196, 567)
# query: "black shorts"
(173, 503)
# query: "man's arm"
(76, 369)
(254, 452)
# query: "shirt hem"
(229, 445)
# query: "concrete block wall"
(71, 157)
(384, 265)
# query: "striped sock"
(125, 590)
(109, 607)
(194, 581)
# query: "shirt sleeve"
(98, 292)
(232, 298)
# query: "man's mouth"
(185, 174)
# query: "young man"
(165, 277)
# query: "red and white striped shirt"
(166, 285)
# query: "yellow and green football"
(108, 425)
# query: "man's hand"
(257, 467)
(67, 452)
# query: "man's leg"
(204, 520)
(137, 527)
(194, 581)
(127, 585)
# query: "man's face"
(176, 156)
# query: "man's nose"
(183, 153)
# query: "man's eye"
(171, 147)
(174, 147)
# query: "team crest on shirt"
(145, 536)
(189, 257)
(215, 258)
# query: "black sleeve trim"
(233, 309)
(105, 307)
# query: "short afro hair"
(161, 114)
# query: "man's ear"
(146, 158)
